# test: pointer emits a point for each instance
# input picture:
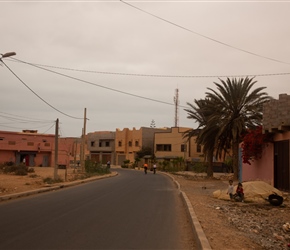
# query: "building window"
(198, 148)
(100, 144)
(163, 147)
(107, 144)
(30, 143)
(1, 138)
(130, 144)
(136, 143)
(183, 148)
(120, 143)
(47, 144)
(11, 143)
(92, 143)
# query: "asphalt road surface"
(129, 211)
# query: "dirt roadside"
(235, 225)
(227, 225)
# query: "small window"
(107, 144)
(130, 144)
(100, 144)
(198, 148)
(120, 143)
(30, 143)
(92, 143)
(183, 148)
(136, 143)
(163, 147)
(47, 144)
(11, 143)
(1, 138)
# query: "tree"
(144, 151)
(205, 135)
(237, 108)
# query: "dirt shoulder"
(235, 225)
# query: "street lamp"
(8, 54)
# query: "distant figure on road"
(145, 168)
(154, 168)
(108, 164)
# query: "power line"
(97, 85)
(153, 75)
(206, 37)
(37, 94)
(13, 117)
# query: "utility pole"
(56, 149)
(176, 103)
(84, 141)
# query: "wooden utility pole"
(84, 141)
(56, 149)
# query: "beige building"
(171, 144)
(128, 142)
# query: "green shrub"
(199, 167)
(96, 168)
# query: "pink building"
(274, 166)
(35, 149)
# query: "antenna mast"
(176, 103)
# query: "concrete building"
(101, 146)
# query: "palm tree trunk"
(235, 149)
(209, 163)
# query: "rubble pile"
(263, 223)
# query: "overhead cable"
(97, 85)
(154, 75)
(37, 94)
(206, 37)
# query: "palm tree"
(237, 108)
(205, 135)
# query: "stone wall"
(276, 114)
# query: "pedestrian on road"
(108, 164)
(145, 168)
(154, 168)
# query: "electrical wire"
(97, 85)
(37, 94)
(13, 117)
(154, 75)
(206, 37)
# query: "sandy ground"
(216, 223)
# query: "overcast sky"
(151, 48)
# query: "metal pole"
(84, 140)
(56, 150)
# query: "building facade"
(34, 149)
(101, 145)
(171, 144)
(274, 165)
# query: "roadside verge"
(54, 187)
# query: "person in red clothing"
(145, 168)
(239, 195)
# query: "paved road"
(130, 211)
